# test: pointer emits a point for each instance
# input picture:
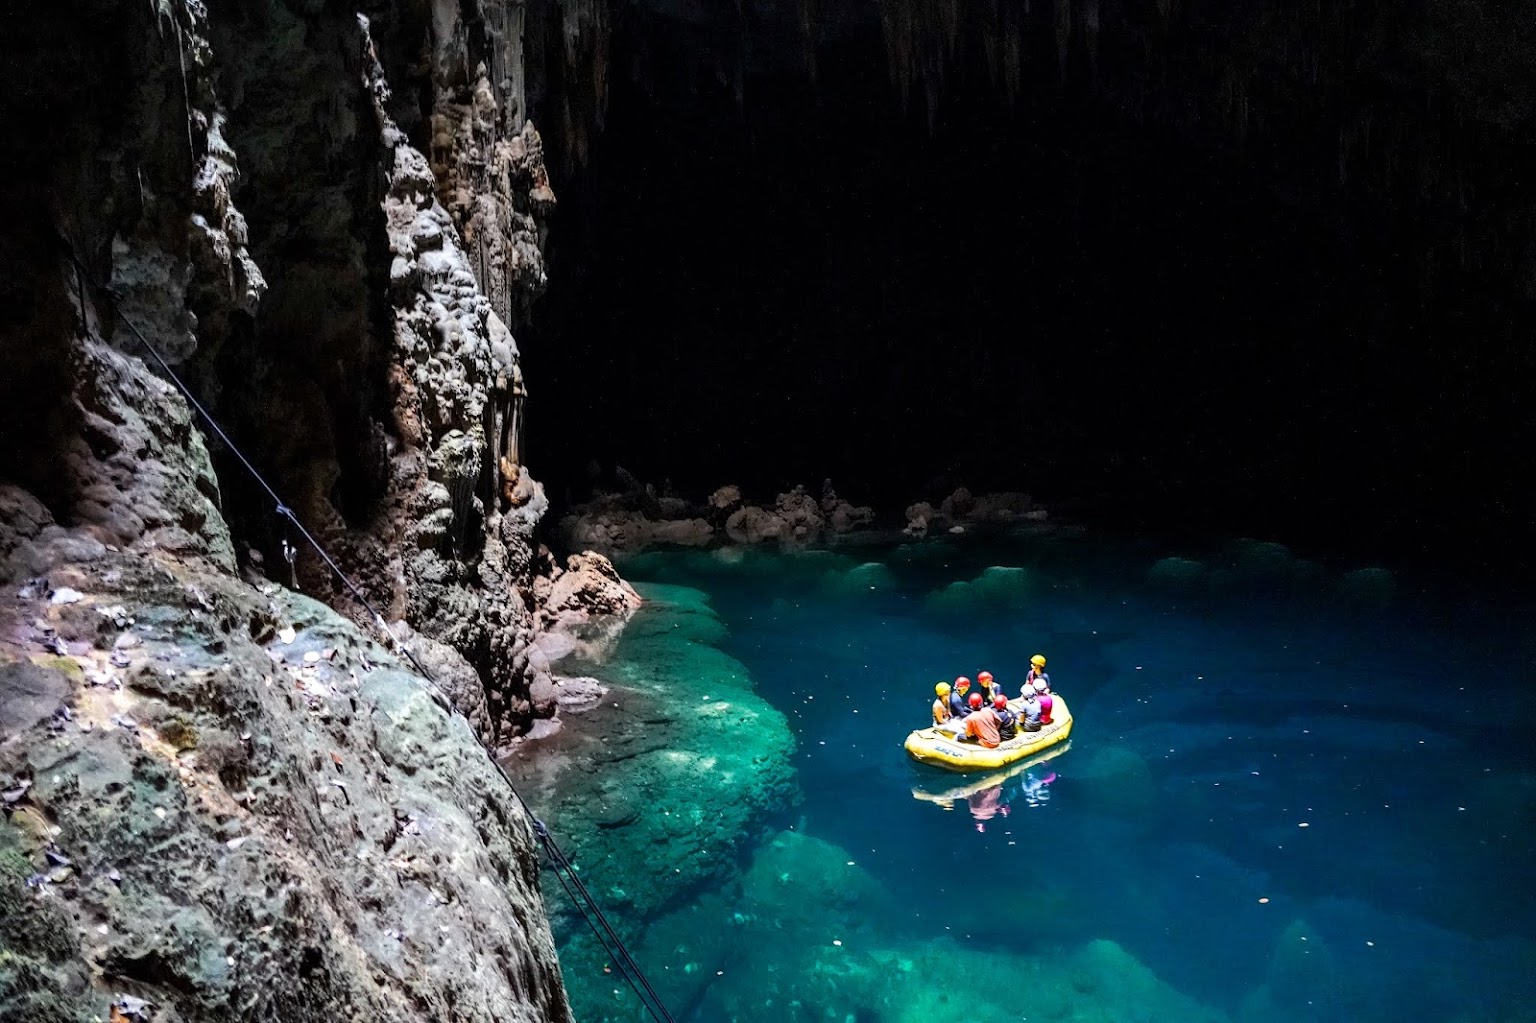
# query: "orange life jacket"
(983, 725)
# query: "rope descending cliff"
(562, 867)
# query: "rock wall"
(385, 387)
(224, 801)
(229, 803)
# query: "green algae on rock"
(808, 935)
(997, 589)
(656, 793)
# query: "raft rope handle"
(558, 860)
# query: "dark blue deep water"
(1293, 792)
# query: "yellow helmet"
(1038, 660)
(942, 689)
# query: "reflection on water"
(994, 794)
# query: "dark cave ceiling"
(1253, 266)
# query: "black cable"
(556, 855)
(604, 944)
(623, 950)
(281, 508)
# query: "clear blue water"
(1291, 793)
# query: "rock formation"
(636, 520)
(223, 799)
(224, 803)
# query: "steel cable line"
(560, 863)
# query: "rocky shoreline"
(640, 517)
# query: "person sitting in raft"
(959, 706)
(941, 711)
(1037, 676)
(989, 689)
(1030, 710)
(981, 724)
(1046, 703)
(1007, 721)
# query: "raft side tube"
(939, 749)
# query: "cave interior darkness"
(1292, 300)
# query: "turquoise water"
(1292, 793)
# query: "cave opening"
(1182, 270)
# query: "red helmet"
(975, 701)
(962, 683)
(983, 677)
(999, 702)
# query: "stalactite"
(585, 36)
(186, 93)
(927, 40)
(1063, 26)
(808, 21)
(1091, 32)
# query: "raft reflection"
(992, 795)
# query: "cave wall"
(341, 294)
(241, 182)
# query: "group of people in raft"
(984, 716)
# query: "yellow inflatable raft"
(931, 746)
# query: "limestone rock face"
(470, 508)
(233, 805)
(589, 587)
(614, 528)
(155, 487)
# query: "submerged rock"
(998, 588)
(655, 790)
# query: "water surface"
(1293, 791)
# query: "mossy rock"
(1001, 588)
(179, 733)
(37, 949)
(65, 665)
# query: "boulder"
(725, 500)
(578, 694)
(682, 532)
(800, 513)
(957, 505)
(845, 518)
(754, 525)
(919, 516)
(588, 587)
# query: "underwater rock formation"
(656, 790)
(808, 934)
